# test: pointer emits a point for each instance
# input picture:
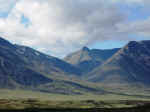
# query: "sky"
(59, 27)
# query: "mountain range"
(87, 59)
(131, 64)
(24, 68)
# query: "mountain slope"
(129, 65)
(46, 64)
(87, 59)
(13, 69)
(25, 68)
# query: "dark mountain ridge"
(25, 68)
(130, 65)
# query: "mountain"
(13, 70)
(130, 65)
(87, 59)
(44, 63)
(25, 68)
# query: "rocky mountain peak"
(132, 44)
(85, 49)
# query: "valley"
(74, 56)
(34, 105)
(86, 80)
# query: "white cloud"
(129, 1)
(60, 26)
(6, 5)
(140, 28)
(133, 2)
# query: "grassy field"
(10, 104)
(19, 94)
(18, 99)
(26, 100)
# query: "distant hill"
(25, 68)
(129, 65)
(88, 59)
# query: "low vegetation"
(34, 105)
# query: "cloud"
(129, 1)
(140, 28)
(58, 27)
(140, 25)
(133, 2)
(6, 5)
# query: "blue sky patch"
(25, 21)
